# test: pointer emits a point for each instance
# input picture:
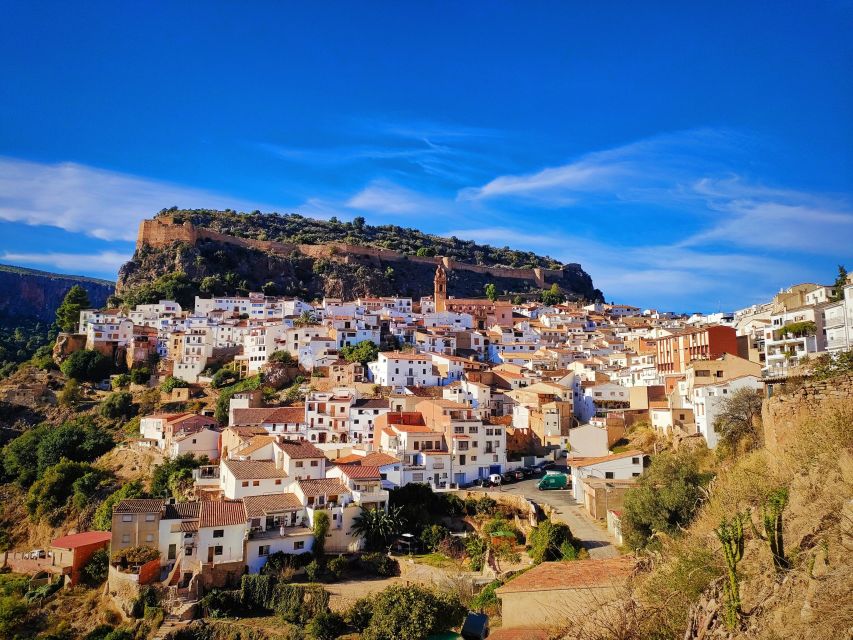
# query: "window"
(278, 480)
(127, 517)
(298, 464)
(217, 550)
(219, 533)
(149, 517)
(299, 544)
(149, 537)
(417, 477)
(188, 551)
(315, 463)
(125, 537)
(263, 550)
(635, 461)
(635, 475)
(608, 475)
(245, 483)
(256, 483)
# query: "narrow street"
(593, 536)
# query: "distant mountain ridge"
(35, 295)
(183, 252)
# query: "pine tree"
(68, 313)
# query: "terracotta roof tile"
(359, 472)
(254, 469)
(81, 539)
(255, 444)
(139, 505)
(577, 574)
(300, 450)
(257, 506)
(322, 486)
(222, 513)
(181, 511)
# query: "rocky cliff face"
(31, 294)
(216, 263)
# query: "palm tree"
(377, 527)
(305, 319)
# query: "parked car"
(553, 481)
(528, 471)
(519, 474)
(35, 554)
(495, 479)
(507, 477)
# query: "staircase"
(171, 623)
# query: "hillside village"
(478, 440)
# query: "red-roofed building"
(73, 552)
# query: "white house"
(396, 369)
(617, 466)
(709, 399)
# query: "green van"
(553, 481)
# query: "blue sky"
(689, 155)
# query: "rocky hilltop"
(35, 295)
(183, 252)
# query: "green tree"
(50, 493)
(117, 405)
(412, 613)
(552, 296)
(739, 421)
(140, 375)
(321, 528)
(71, 394)
(103, 518)
(95, 571)
(364, 352)
(838, 285)
(86, 366)
(283, 357)
(78, 440)
(551, 541)
(491, 292)
(172, 382)
(326, 625)
(161, 477)
(433, 535)
(666, 498)
(427, 252)
(68, 312)
(377, 527)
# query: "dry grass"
(813, 600)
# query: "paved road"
(593, 536)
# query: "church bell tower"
(440, 289)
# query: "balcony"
(276, 532)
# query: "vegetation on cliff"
(181, 270)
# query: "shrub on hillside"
(86, 366)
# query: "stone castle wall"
(159, 233)
(786, 409)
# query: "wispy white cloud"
(385, 197)
(99, 203)
(105, 262)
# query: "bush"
(172, 382)
(359, 614)
(117, 405)
(50, 493)
(258, 591)
(223, 377)
(377, 564)
(433, 535)
(313, 571)
(164, 477)
(476, 548)
(326, 625)
(486, 506)
(666, 498)
(219, 604)
(140, 375)
(487, 598)
(547, 541)
(412, 613)
(120, 381)
(298, 604)
(95, 571)
(71, 394)
(282, 357)
(135, 556)
(338, 566)
(86, 366)
(280, 563)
